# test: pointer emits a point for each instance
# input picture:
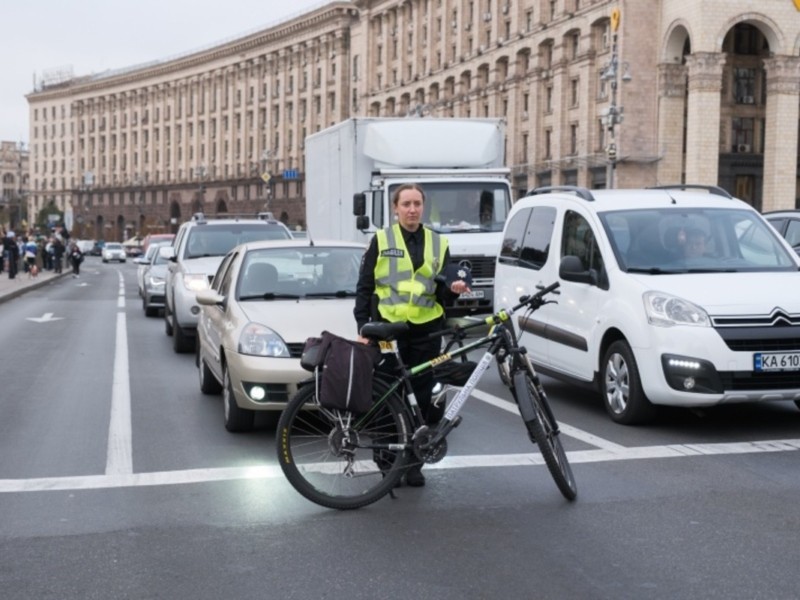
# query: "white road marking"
(119, 456)
(93, 482)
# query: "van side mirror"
(572, 269)
(362, 223)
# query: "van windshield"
(680, 240)
(464, 205)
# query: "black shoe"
(414, 477)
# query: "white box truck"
(353, 167)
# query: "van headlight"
(195, 282)
(258, 340)
(666, 310)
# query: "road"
(118, 480)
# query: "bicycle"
(343, 460)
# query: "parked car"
(154, 280)
(787, 223)
(265, 300)
(672, 296)
(198, 249)
(143, 264)
(96, 249)
(113, 251)
(156, 238)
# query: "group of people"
(31, 253)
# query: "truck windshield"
(464, 205)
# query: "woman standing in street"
(398, 282)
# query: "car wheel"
(181, 342)
(167, 320)
(208, 383)
(621, 386)
(236, 419)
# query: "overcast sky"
(92, 36)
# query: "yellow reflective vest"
(405, 294)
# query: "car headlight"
(666, 310)
(258, 340)
(195, 281)
(155, 281)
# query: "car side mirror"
(167, 253)
(210, 298)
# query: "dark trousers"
(416, 348)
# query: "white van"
(675, 296)
(85, 245)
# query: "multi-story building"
(13, 185)
(709, 91)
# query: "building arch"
(677, 42)
(768, 28)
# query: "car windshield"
(681, 240)
(312, 271)
(218, 239)
(113, 246)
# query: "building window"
(573, 92)
(744, 86)
(742, 134)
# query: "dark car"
(787, 223)
(97, 249)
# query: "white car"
(266, 299)
(113, 251)
(671, 296)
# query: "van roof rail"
(579, 191)
(711, 189)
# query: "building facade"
(597, 93)
(13, 185)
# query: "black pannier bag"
(343, 369)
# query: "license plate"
(776, 361)
(471, 295)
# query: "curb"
(27, 287)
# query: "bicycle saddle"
(379, 330)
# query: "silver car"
(153, 281)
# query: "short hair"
(403, 188)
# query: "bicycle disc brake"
(342, 442)
(421, 444)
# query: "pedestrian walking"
(76, 258)
(11, 250)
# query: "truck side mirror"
(360, 205)
(362, 223)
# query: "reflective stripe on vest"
(403, 294)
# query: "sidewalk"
(11, 288)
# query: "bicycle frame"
(497, 338)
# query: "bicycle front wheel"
(338, 459)
(544, 431)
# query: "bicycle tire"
(544, 432)
(307, 439)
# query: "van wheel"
(236, 419)
(621, 387)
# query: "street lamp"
(614, 114)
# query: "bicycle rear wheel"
(326, 455)
(543, 430)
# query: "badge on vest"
(394, 252)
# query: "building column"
(671, 110)
(702, 133)
(780, 144)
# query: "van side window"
(528, 235)
(579, 240)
